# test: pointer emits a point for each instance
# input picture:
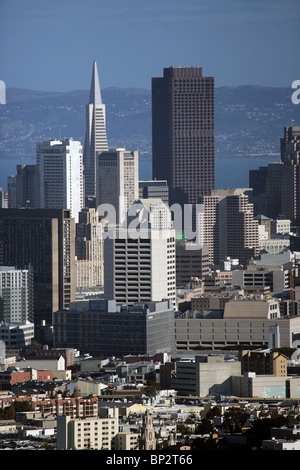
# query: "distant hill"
(249, 120)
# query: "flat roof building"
(101, 327)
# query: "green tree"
(235, 418)
(214, 411)
(205, 427)
(261, 429)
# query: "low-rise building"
(102, 327)
(243, 322)
(206, 375)
(252, 385)
(84, 434)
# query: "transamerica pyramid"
(95, 134)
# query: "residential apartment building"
(61, 175)
(88, 433)
(16, 295)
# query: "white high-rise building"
(117, 182)
(16, 294)
(61, 175)
(140, 262)
(95, 134)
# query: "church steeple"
(147, 439)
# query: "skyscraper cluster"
(80, 221)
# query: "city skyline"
(219, 38)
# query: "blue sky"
(50, 45)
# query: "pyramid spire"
(95, 94)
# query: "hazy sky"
(50, 45)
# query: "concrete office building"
(276, 278)
(265, 386)
(16, 335)
(140, 269)
(204, 376)
(89, 249)
(244, 322)
(192, 261)
(183, 133)
(95, 133)
(28, 186)
(16, 295)
(117, 182)
(139, 261)
(61, 175)
(45, 240)
(101, 327)
(154, 189)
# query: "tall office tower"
(89, 250)
(290, 146)
(183, 133)
(45, 240)
(95, 133)
(277, 186)
(16, 295)
(28, 186)
(3, 198)
(61, 175)
(140, 263)
(117, 181)
(266, 183)
(156, 189)
(238, 230)
(11, 191)
(226, 225)
(192, 261)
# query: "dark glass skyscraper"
(183, 150)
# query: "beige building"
(126, 441)
(244, 322)
(264, 362)
(89, 250)
(226, 225)
(204, 376)
(117, 183)
(265, 386)
(83, 434)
